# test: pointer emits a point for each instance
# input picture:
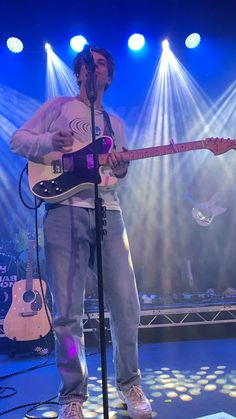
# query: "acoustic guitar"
(27, 317)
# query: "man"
(62, 124)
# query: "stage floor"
(184, 380)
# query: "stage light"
(136, 42)
(15, 44)
(193, 40)
(61, 80)
(78, 42)
(165, 44)
(47, 47)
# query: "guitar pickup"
(68, 163)
(56, 166)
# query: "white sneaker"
(71, 410)
(137, 404)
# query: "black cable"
(20, 190)
(14, 391)
(35, 367)
(3, 389)
(47, 402)
(35, 208)
(38, 266)
(12, 374)
(35, 404)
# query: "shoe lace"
(73, 408)
(135, 394)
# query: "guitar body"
(57, 176)
(27, 318)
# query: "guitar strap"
(108, 130)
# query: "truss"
(173, 317)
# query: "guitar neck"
(162, 150)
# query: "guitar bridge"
(28, 313)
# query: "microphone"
(88, 58)
(91, 82)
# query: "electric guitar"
(57, 176)
(27, 317)
(205, 212)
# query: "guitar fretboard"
(156, 151)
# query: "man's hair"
(79, 61)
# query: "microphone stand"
(91, 91)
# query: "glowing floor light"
(78, 42)
(15, 45)
(136, 42)
(193, 40)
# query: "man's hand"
(118, 164)
(63, 141)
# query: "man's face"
(101, 71)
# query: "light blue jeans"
(69, 234)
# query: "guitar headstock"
(220, 145)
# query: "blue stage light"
(47, 47)
(78, 42)
(193, 40)
(15, 44)
(165, 45)
(136, 42)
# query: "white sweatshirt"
(34, 139)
